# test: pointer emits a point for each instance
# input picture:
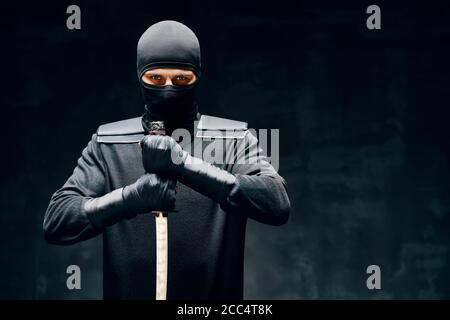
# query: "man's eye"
(180, 78)
(156, 77)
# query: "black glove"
(163, 155)
(149, 193)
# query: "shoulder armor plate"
(124, 131)
(131, 131)
(215, 127)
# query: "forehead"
(169, 71)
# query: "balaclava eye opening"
(169, 44)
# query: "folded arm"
(250, 186)
(81, 210)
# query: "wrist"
(107, 209)
(130, 198)
(206, 179)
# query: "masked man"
(124, 174)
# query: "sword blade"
(161, 255)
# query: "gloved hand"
(149, 193)
(163, 155)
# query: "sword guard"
(158, 214)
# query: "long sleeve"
(260, 192)
(66, 221)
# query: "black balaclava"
(169, 44)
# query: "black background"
(363, 118)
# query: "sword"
(162, 248)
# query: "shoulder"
(216, 127)
(124, 131)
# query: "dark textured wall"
(363, 118)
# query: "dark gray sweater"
(206, 241)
